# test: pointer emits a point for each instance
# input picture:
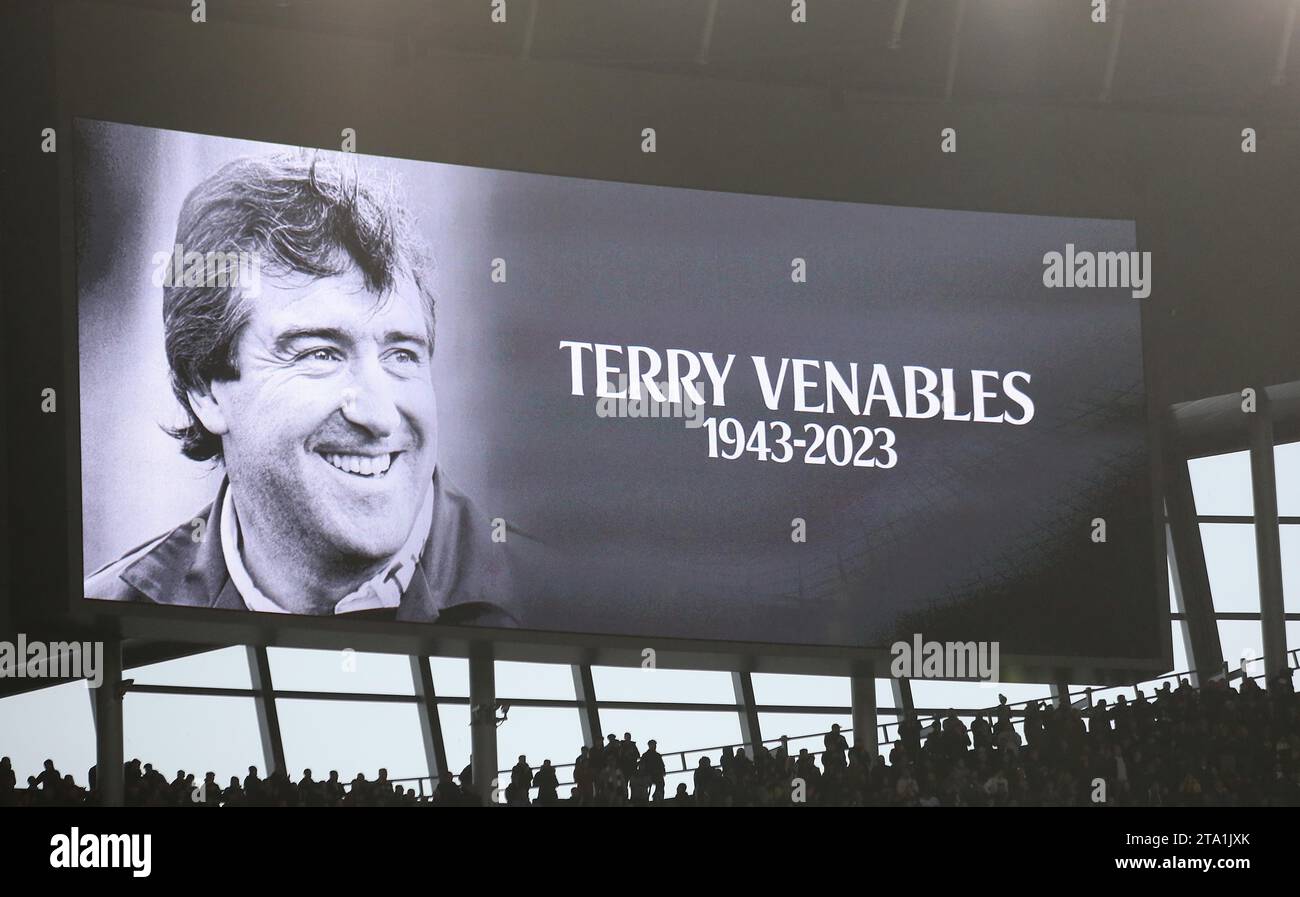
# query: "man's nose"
(370, 403)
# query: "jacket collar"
(188, 567)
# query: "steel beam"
(863, 690)
(268, 718)
(107, 702)
(751, 733)
(435, 751)
(1191, 578)
(482, 719)
(1268, 549)
(584, 689)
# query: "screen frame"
(208, 626)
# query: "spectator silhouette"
(447, 793)
(836, 746)
(253, 791)
(521, 779)
(1213, 746)
(50, 778)
(628, 756)
(546, 783)
(233, 796)
(654, 770)
(8, 783)
(705, 781)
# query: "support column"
(482, 719)
(268, 718)
(751, 733)
(1268, 549)
(863, 689)
(435, 752)
(109, 778)
(1060, 691)
(903, 697)
(1191, 579)
(905, 705)
(584, 688)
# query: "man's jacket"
(463, 577)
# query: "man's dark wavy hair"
(296, 213)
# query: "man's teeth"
(365, 465)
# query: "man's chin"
(369, 527)
(362, 540)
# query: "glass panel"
(298, 669)
(196, 733)
(675, 780)
(677, 731)
(455, 735)
(805, 730)
(884, 693)
(1286, 467)
(1221, 484)
(1290, 539)
(1243, 638)
(803, 691)
(49, 724)
(886, 732)
(352, 737)
(541, 733)
(224, 668)
(450, 676)
(533, 680)
(644, 684)
(1232, 567)
(941, 696)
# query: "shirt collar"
(383, 590)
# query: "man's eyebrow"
(328, 334)
(402, 336)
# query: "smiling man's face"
(329, 434)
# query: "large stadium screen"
(332, 384)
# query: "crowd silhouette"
(1213, 746)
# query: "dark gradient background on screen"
(980, 531)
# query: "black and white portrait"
(298, 325)
(329, 383)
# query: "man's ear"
(209, 409)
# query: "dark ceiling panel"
(1033, 48)
(634, 32)
(1198, 52)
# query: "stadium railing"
(1081, 699)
